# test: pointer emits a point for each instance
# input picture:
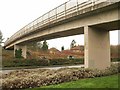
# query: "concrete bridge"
(93, 18)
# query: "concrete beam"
(24, 50)
(97, 48)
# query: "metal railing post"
(56, 14)
(92, 4)
(77, 7)
(65, 9)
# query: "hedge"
(15, 62)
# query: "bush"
(18, 53)
(42, 62)
(115, 59)
(33, 78)
(113, 69)
(15, 62)
(42, 77)
(58, 61)
(66, 61)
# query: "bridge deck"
(62, 13)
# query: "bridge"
(93, 18)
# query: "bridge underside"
(97, 45)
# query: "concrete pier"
(97, 48)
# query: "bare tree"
(73, 44)
(1, 38)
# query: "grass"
(99, 82)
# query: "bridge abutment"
(97, 48)
(24, 50)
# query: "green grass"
(98, 82)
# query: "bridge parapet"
(62, 12)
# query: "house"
(68, 52)
(53, 51)
(78, 49)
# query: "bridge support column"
(24, 50)
(97, 48)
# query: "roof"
(54, 49)
(78, 48)
(67, 52)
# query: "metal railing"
(55, 15)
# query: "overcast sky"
(15, 14)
